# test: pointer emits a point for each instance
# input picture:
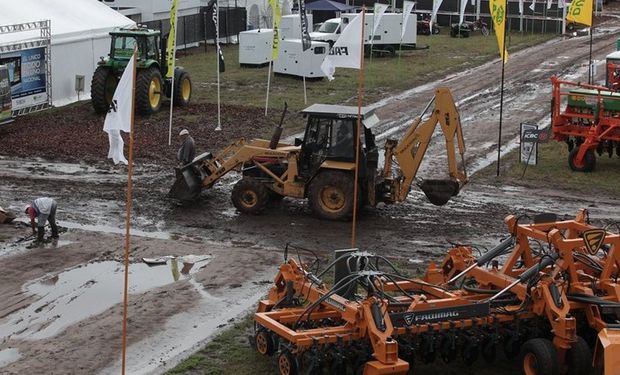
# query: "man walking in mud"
(43, 209)
(187, 151)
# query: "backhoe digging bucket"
(439, 192)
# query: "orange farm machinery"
(553, 301)
(587, 118)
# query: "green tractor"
(151, 71)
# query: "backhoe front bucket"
(439, 192)
(187, 185)
(607, 351)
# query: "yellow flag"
(580, 11)
(497, 8)
(171, 40)
(277, 15)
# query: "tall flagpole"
(501, 95)
(128, 214)
(590, 59)
(173, 68)
(360, 94)
(268, 83)
(217, 50)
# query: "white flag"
(378, 11)
(407, 8)
(462, 15)
(549, 2)
(533, 5)
(520, 6)
(561, 4)
(436, 5)
(346, 52)
(119, 115)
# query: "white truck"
(292, 60)
(386, 40)
(290, 26)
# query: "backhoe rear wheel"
(250, 196)
(102, 89)
(331, 195)
(182, 87)
(539, 357)
(149, 90)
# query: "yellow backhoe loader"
(321, 166)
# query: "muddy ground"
(61, 309)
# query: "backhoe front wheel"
(331, 195)
(539, 357)
(250, 196)
(149, 90)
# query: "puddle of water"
(76, 294)
(9, 356)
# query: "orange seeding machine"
(547, 293)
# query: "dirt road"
(62, 313)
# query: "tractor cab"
(124, 41)
(330, 136)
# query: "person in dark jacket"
(187, 151)
(42, 209)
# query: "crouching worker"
(43, 209)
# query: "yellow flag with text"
(277, 15)
(171, 40)
(580, 11)
(497, 8)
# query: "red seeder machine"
(548, 293)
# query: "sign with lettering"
(27, 74)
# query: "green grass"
(553, 170)
(384, 76)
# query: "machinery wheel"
(287, 364)
(539, 357)
(588, 164)
(249, 196)
(331, 195)
(102, 89)
(579, 358)
(148, 91)
(390, 50)
(435, 30)
(264, 343)
(182, 87)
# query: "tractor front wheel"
(250, 196)
(182, 87)
(149, 90)
(102, 89)
(586, 165)
(539, 357)
(331, 195)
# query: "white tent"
(79, 37)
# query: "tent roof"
(82, 19)
(328, 5)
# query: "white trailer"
(255, 47)
(387, 39)
(293, 61)
(290, 26)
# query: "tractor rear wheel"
(587, 165)
(331, 195)
(539, 357)
(182, 87)
(149, 90)
(102, 89)
(250, 196)
(579, 358)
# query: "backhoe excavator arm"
(409, 152)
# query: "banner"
(216, 24)
(277, 16)
(407, 8)
(306, 42)
(346, 52)
(497, 8)
(171, 45)
(377, 11)
(5, 94)
(533, 5)
(436, 5)
(549, 2)
(27, 74)
(462, 15)
(119, 115)
(520, 6)
(580, 11)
